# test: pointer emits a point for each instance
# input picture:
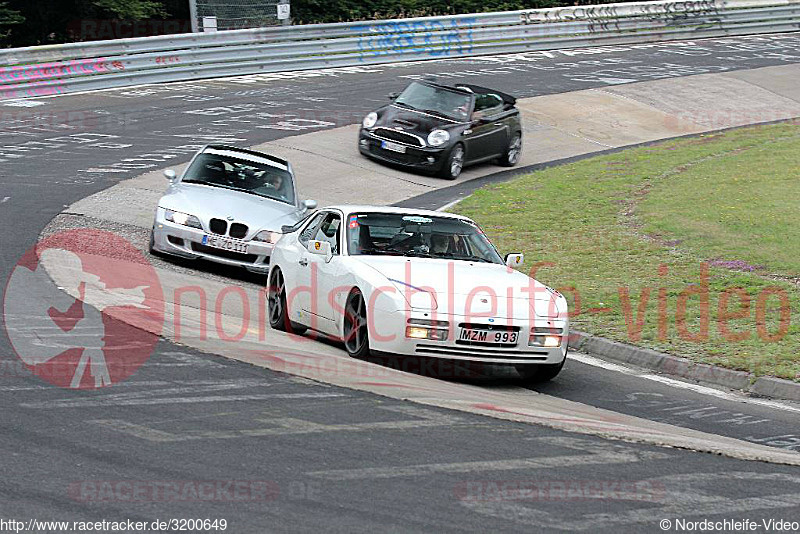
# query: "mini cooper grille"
(219, 226)
(400, 137)
(238, 230)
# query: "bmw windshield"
(398, 234)
(435, 100)
(228, 169)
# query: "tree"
(131, 9)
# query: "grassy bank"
(690, 246)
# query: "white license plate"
(394, 147)
(488, 336)
(225, 243)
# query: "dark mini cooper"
(440, 129)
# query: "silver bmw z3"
(228, 206)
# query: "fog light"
(364, 143)
(417, 332)
(421, 332)
(539, 340)
(431, 159)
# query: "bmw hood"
(467, 288)
(206, 202)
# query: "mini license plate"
(488, 336)
(394, 147)
(225, 243)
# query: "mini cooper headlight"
(370, 120)
(267, 236)
(182, 218)
(438, 137)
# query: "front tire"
(537, 373)
(454, 163)
(356, 327)
(151, 247)
(512, 154)
(276, 301)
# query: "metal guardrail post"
(193, 15)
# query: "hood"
(415, 122)
(466, 288)
(205, 202)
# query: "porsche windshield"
(438, 100)
(241, 172)
(398, 234)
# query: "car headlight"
(182, 218)
(370, 120)
(438, 137)
(267, 236)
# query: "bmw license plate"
(488, 336)
(225, 243)
(394, 147)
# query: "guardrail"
(57, 69)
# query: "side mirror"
(393, 96)
(310, 204)
(170, 175)
(515, 260)
(321, 248)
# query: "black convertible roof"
(475, 89)
(508, 99)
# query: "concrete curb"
(606, 349)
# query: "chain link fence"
(213, 15)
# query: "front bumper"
(427, 159)
(187, 242)
(388, 336)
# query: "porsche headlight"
(267, 236)
(370, 120)
(438, 137)
(183, 219)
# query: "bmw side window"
(309, 231)
(329, 231)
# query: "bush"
(317, 11)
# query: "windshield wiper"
(403, 104)
(465, 257)
(436, 112)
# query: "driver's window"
(329, 231)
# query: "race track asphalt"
(335, 459)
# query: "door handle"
(303, 262)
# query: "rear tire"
(276, 301)
(454, 163)
(511, 156)
(356, 327)
(537, 373)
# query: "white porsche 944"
(414, 282)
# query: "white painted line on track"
(5, 199)
(83, 403)
(449, 205)
(596, 454)
(697, 388)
